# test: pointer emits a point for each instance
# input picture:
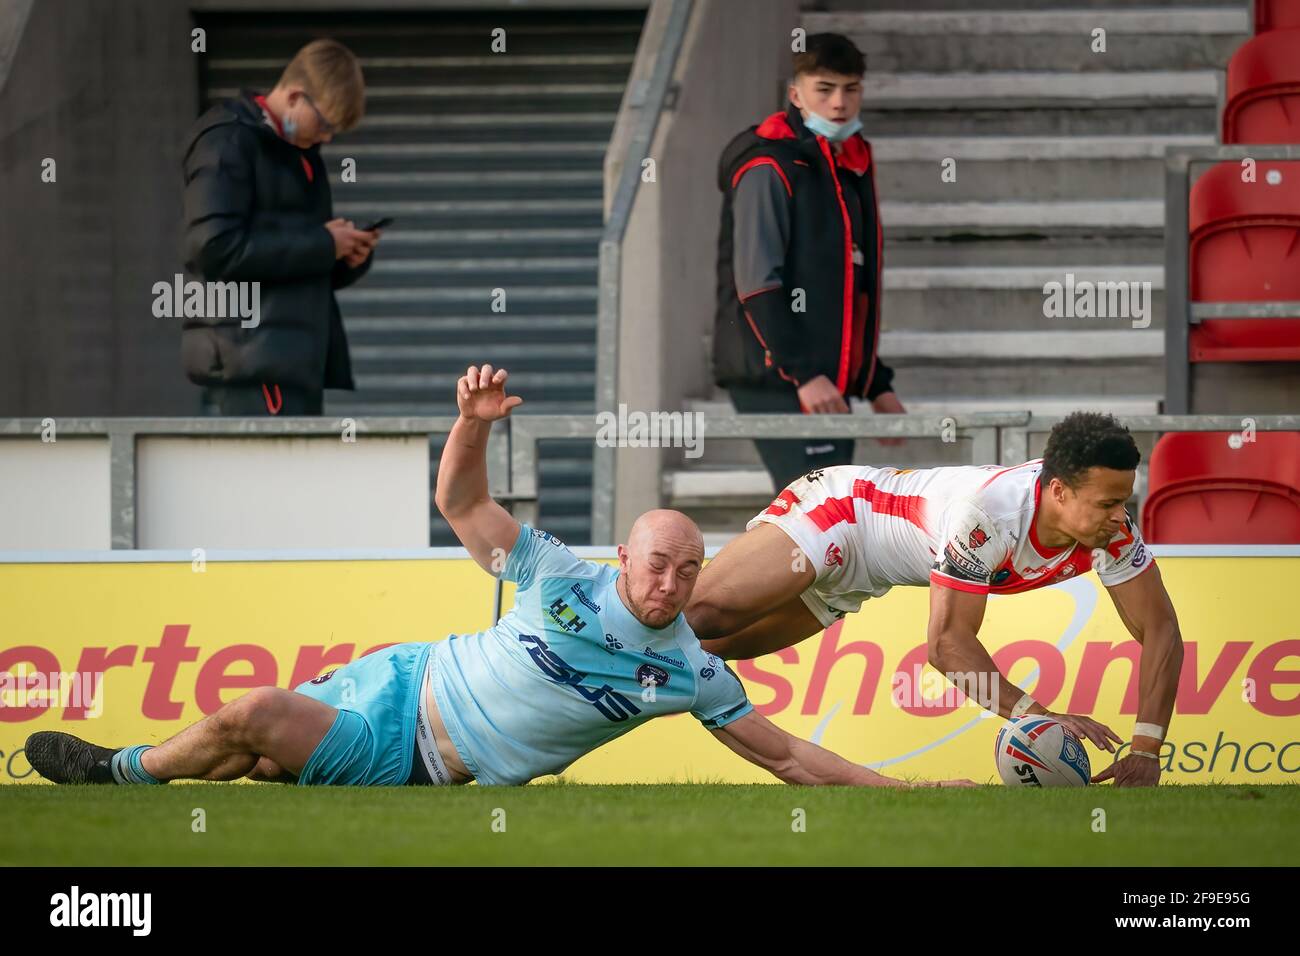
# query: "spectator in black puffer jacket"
(258, 209)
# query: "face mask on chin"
(835, 132)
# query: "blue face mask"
(835, 132)
(290, 126)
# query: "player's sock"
(127, 767)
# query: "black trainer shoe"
(64, 758)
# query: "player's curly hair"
(1084, 440)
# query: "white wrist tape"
(1149, 730)
(1022, 705)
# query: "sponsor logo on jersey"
(548, 537)
(959, 566)
(612, 644)
(565, 616)
(834, 556)
(782, 503)
(583, 599)
(978, 538)
(611, 704)
(667, 660)
(1139, 556)
(710, 670)
(814, 475)
(651, 675)
(322, 679)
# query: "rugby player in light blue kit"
(586, 654)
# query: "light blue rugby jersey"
(567, 669)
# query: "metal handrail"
(513, 453)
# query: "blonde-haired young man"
(258, 209)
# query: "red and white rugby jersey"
(968, 527)
(988, 543)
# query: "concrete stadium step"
(1008, 39)
(1045, 119)
(466, 213)
(1057, 252)
(1038, 90)
(416, 157)
(438, 300)
(390, 71)
(1015, 168)
(529, 128)
(474, 185)
(467, 328)
(1006, 298)
(1119, 217)
(1005, 347)
(504, 273)
(400, 241)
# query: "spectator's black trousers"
(788, 459)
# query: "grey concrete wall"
(729, 76)
(106, 90)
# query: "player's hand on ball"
(1085, 728)
(481, 394)
(1131, 771)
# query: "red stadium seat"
(1245, 247)
(1202, 490)
(1263, 90)
(1276, 15)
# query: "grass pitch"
(677, 824)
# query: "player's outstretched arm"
(793, 760)
(1144, 607)
(956, 652)
(486, 529)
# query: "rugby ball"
(1036, 751)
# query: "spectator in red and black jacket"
(799, 258)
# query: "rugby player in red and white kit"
(841, 535)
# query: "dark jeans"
(253, 400)
(786, 460)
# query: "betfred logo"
(978, 538)
(782, 503)
(834, 556)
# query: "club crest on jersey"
(978, 538)
(1067, 571)
(651, 675)
(834, 556)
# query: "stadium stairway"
(491, 166)
(1059, 170)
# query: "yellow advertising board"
(173, 643)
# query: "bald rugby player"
(586, 654)
(840, 536)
